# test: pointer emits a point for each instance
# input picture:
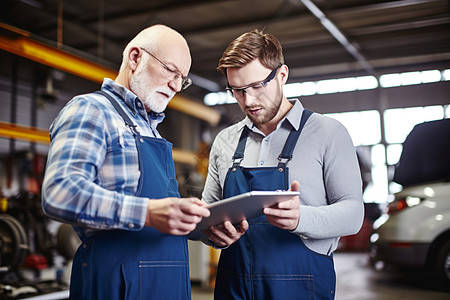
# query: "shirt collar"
(293, 118)
(294, 115)
(155, 118)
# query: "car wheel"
(13, 241)
(443, 261)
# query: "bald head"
(155, 38)
(155, 65)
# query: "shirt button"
(84, 246)
(266, 139)
(261, 163)
(131, 225)
(84, 264)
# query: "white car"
(415, 231)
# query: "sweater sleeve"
(344, 211)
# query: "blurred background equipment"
(13, 243)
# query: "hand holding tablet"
(245, 206)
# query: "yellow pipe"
(195, 109)
(184, 157)
(56, 58)
(20, 132)
(38, 135)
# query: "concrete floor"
(357, 281)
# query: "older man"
(111, 175)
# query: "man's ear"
(133, 58)
(284, 73)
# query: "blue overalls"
(268, 262)
(145, 264)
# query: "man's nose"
(248, 99)
(176, 84)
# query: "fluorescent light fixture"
(390, 80)
(378, 155)
(393, 153)
(366, 82)
(369, 134)
(346, 84)
(431, 76)
(434, 112)
(292, 90)
(349, 84)
(308, 88)
(446, 75)
(211, 99)
(218, 98)
(327, 86)
(410, 78)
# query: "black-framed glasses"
(171, 73)
(253, 90)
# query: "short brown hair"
(249, 46)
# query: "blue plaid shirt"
(92, 169)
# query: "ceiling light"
(327, 86)
(431, 76)
(390, 80)
(446, 75)
(366, 82)
(292, 90)
(410, 78)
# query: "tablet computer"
(237, 208)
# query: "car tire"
(443, 261)
(13, 241)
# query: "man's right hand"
(225, 234)
(177, 216)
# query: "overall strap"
(239, 153)
(289, 146)
(121, 112)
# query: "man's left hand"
(286, 214)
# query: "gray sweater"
(324, 163)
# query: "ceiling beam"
(338, 35)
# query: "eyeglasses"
(253, 90)
(172, 74)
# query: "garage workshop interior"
(381, 68)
